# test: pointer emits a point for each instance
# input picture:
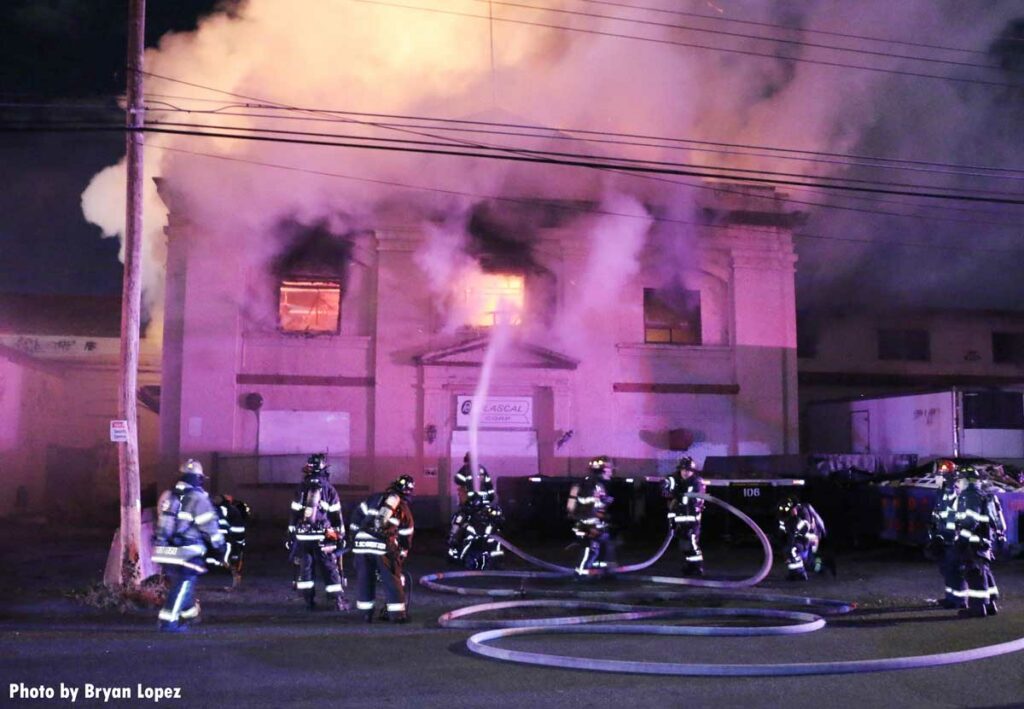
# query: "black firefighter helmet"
(602, 464)
(316, 466)
(403, 486)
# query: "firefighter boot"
(991, 608)
(341, 603)
(309, 596)
(972, 611)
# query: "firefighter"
(587, 507)
(186, 528)
(472, 541)
(684, 513)
(981, 529)
(942, 536)
(468, 500)
(232, 518)
(382, 529)
(804, 530)
(316, 532)
(464, 483)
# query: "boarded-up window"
(310, 306)
(672, 316)
(1008, 347)
(907, 345)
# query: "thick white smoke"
(346, 55)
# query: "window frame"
(900, 347)
(695, 325)
(311, 280)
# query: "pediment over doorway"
(471, 352)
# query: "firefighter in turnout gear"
(316, 532)
(981, 529)
(232, 518)
(684, 513)
(382, 529)
(804, 530)
(588, 509)
(942, 535)
(186, 528)
(472, 541)
(471, 503)
(464, 483)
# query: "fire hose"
(617, 620)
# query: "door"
(860, 432)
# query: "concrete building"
(58, 394)
(852, 354)
(341, 342)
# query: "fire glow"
(490, 298)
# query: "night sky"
(51, 50)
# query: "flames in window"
(310, 306)
(491, 298)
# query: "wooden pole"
(131, 304)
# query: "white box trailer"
(951, 422)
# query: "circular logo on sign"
(466, 406)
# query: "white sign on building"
(499, 412)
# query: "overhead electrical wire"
(989, 197)
(569, 134)
(737, 35)
(620, 162)
(694, 45)
(802, 30)
(566, 207)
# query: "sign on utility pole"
(131, 306)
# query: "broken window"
(310, 306)
(672, 316)
(492, 297)
(906, 345)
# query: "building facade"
(341, 342)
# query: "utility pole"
(131, 304)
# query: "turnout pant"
(802, 552)
(599, 553)
(951, 566)
(981, 584)
(181, 596)
(310, 555)
(368, 566)
(688, 536)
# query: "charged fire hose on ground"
(617, 619)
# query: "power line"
(648, 177)
(692, 45)
(1011, 174)
(575, 156)
(554, 130)
(802, 30)
(569, 160)
(563, 206)
(740, 35)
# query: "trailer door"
(860, 432)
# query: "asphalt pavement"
(259, 647)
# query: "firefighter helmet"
(404, 485)
(600, 464)
(192, 472)
(686, 463)
(969, 472)
(945, 467)
(786, 506)
(316, 465)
